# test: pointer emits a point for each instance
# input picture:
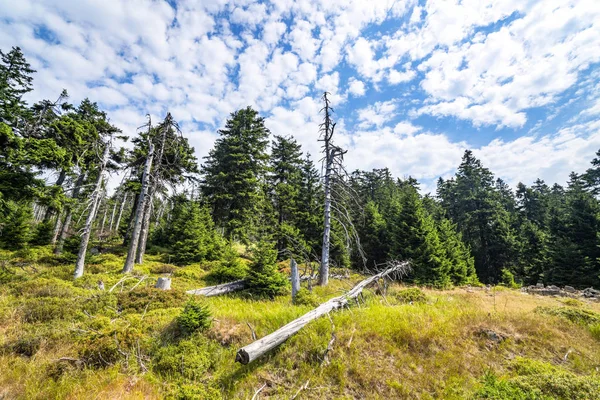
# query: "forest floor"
(70, 340)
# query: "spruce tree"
(264, 279)
(233, 172)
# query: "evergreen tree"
(192, 234)
(233, 172)
(15, 81)
(264, 279)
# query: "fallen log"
(234, 286)
(219, 289)
(258, 348)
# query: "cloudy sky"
(413, 83)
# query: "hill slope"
(60, 339)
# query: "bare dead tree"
(139, 212)
(94, 202)
(337, 192)
(64, 230)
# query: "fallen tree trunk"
(258, 348)
(234, 286)
(219, 289)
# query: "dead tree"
(94, 202)
(333, 201)
(64, 230)
(219, 289)
(118, 223)
(258, 348)
(139, 212)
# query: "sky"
(413, 83)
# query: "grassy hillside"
(65, 339)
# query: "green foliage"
(149, 298)
(508, 279)
(16, 226)
(411, 296)
(44, 309)
(229, 269)
(194, 317)
(305, 297)
(190, 358)
(233, 172)
(190, 233)
(263, 278)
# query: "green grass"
(66, 340)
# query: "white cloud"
(356, 87)
(377, 114)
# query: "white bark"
(85, 238)
(163, 284)
(324, 268)
(112, 216)
(103, 217)
(56, 230)
(295, 277)
(258, 348)
(145, 229)
(121, 211)
(219, 289)
(137, 226)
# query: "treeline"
(260, 189)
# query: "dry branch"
(258, 348)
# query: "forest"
(129, 268)
(260, 189)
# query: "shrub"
(305, 297)
(194, 317)
(183, 391)
(411, 295)
(190, 358)
(26, 345)
(263, 278)
(47, 309)
(100, 352)
(231, 268)
(150, 299)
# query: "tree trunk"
(112, 215)
(258, 348)
(324, 268)
(139, 213)
(163, 284)
(219, 289)
(64, 230)
(103, 217)
(127, 237)
(85, 238)
(145, 229)
(56, 229)
(295, 277)
(121, 211)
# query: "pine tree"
(284, 182)
(15, 81)
(16, 225)
(233, 172)
(263, 278)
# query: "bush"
(100, 352)
(150, 299)
(411, 296)
(47, 309)
(305, 297)
(190, 358)
(194, 317)
(26, 345)
(263, 278)
(185, 391)
(230, 269)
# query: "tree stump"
(163, 284)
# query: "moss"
(47, 309)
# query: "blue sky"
(413, 83)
